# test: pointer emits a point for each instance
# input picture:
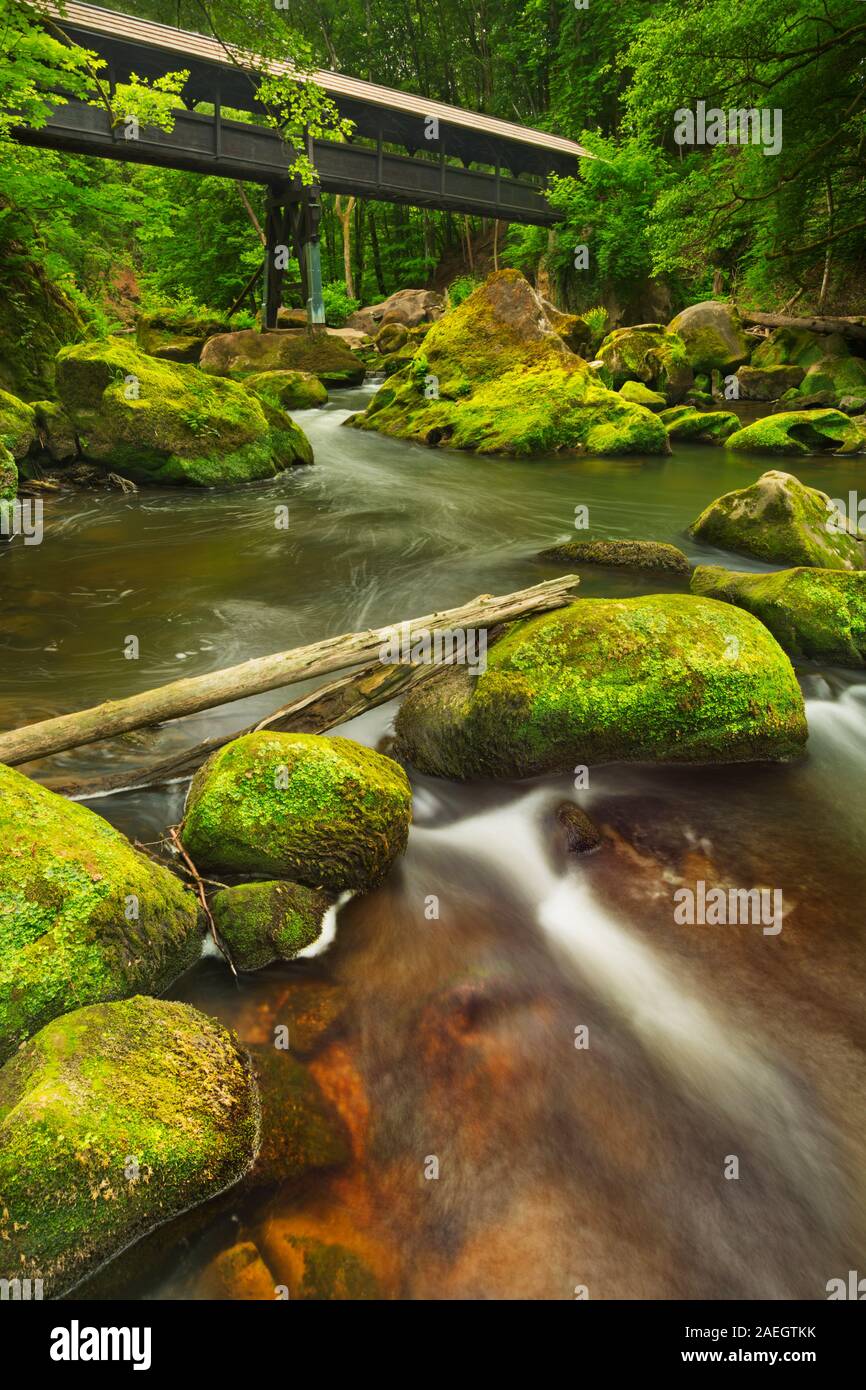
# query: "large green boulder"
(797, 346)
(17, 425)
(699, 426)
(637, 394)
(248, 352)
(713, 336)
(650, 355)
(37, 317)
(262, 922)
(114, 1119)
(165, 422)
(798, 432)
(841, 374)
(321, 811)
(8, 475)
(288, 390)
(494, 376)
(782, 521)
(817, 614)
(178, 335)
(84, 917)
(666, 678)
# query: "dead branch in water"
(175, 839)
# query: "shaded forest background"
(665, 226)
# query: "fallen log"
(847, 327)
(262, 673)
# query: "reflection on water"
(452, 1036)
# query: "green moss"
(249, 351)
(813, 613)
(637, 394)
(288, 390)
(665, 678)
(841, 375)
(17, 425)
(70, 888)
(36, 319)
(787, 346)
(261, 922)
(780, 520)
(655, 555)
(332, 1273)
(648, 355)
(163, 422)
(699, 426)
(713, 336)
(8, 475)
(323, 811)
(798, 432)
(177, 335)
(113, 1119)
(300, 1133)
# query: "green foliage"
(338, 305)
(460, 289)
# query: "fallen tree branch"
(175, 839)
(262, 673)
(847, 327)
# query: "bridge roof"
(400, 116)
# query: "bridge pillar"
(311, 272)
(293, 219)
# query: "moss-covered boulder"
(37, 317)
(840, 374)
(699, 426)
(786, 346)
(321, 354)
(113, 1119)
(300, 1133)
(494, 376)
(84, 917)
(391, 337)
(713, 336)
(321, 811)
(288, 390)
(8, 475)
(17, 425)
(640, 555)
(648, 354)
(768, 383)
(666, 678)
(178, 335)
(812, 613)
(56, 432)
(798, 432)
(164, 422)
(782, 521)
(637, 394)
(262, 922)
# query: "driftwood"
(847, 327)
(263, 673)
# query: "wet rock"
(263, 922)
(699, 426)
(84, 917)
(176, 335)
(248, 352)
(580, 834)
(799, 432)
(163, 422)
(813, 613)
(780, 520)
(650, 355)
(391, 337)
(713, 336)
(17, 425)
(237, 1274)
(768, 383)
(288, 390)
(408, 307)
(796, 400)
(300, 1132)
(8, 475)
(641, 555)
(638, 394)
(113, 1119)
(320, 1271)
(56, 431)
(646, 679)
(322, 811)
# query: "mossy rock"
(768, 383)
(787, 346)
(176, 335)
(782, 521)
(713, 336)
(330, 1273)
(56, 431)
(841, 375)
(249, 352)
(494, 376)
(288, 390)
(611, 680)
(17, 425)
(263, 922)
(321, 811)
(798, 433)
(114, 1119)
(391, 337)
(639, 555)
(37, 317)
(648, 354)
(700, 426)
(812, 613)
(300, 1133)
(70, 888)
(8, 475)
(638, 394)
(164, 422)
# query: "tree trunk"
(263, 673)
(847, 327)
(344, 217)
(377, 256)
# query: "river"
(603, 1170)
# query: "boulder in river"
(638, 394)
(83, 916)
(638, 555)
(494, 376)
(787, 346)
(288, 390)
(713, 336)
(321, 811)
(409, 307)
(780, 520)
(812, 613)
(17, 425)
(650, 355)
(56, 431)
(300, 1133)
(265, 921)
(799, 432)
(114, 1119)
(683, 422)
(178, 335)
(768, 383)
(666, 678)
(8, 475)
(322, 354)
(164, 422)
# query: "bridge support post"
(311, 273)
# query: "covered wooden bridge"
(455, 160)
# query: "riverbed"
(582, 1069)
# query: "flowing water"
(454, 1036)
